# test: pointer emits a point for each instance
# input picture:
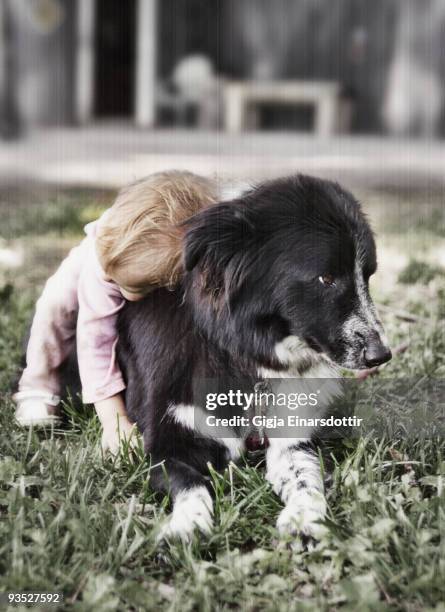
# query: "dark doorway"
(115, 58)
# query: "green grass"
(419, 271)
(30, 210)
(74, 521)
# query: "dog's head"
(289, 260)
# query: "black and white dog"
(276, 285)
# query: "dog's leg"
(192, 502)
(293, 469)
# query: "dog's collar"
(256, 439)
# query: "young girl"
(133, 247)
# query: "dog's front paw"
(192, 510)
(302, 515)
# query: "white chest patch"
(301, 361)
(308, 372)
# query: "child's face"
(132, 295)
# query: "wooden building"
(77, 61)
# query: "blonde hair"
(138, 240)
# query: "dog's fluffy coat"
(276, 285)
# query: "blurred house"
(415, 92)
(77, 61)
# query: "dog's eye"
(327, 280)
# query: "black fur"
(252, 279)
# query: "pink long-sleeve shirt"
(100, 301)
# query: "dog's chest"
(283, 401)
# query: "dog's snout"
(375, 352)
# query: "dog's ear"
(217, 234)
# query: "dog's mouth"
(352, 365)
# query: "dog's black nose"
(376, 352)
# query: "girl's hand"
(117, 427)
(114, 434)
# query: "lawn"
(76, 522)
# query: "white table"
(324, 96)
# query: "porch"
(111, 154)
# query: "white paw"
(193, 509)
(303, 515)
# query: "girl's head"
(138, 240)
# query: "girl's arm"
(102, 382)
(99, 304)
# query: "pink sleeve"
(99, 304)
